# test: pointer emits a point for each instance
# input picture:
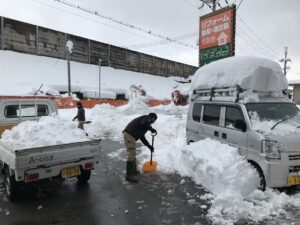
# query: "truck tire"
(262, 183)
(11, 185)
(84, 177)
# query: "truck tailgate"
(56, 154)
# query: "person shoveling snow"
(134, 131)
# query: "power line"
(219, 5)
(163, 42)
(140, 29)
(258, 44)
(253, 46)
(93, 20)
(257, 36)
(239, 5)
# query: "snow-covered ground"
(32, 71)
(228, 178)
(230, 181)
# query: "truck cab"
(17, 109)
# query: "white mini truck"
(243, 102)
(42, 164)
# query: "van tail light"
(89, 166)
(31, 177)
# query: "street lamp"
(69, 48)
(100, 60)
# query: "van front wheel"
(262, 180)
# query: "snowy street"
(108, 199)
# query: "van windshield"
(272, 111)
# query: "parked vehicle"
(243, 101)
(16, 110)
(41, 165)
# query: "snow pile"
(223, 173)
(95, 94)
(33, 71)
(171, 109)
(50, 130)
(135, 105)
(252, 73)
(109, 121)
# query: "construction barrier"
(66, 103)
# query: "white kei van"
(14, 110)
(243, 101)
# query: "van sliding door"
(231, 131)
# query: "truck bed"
(55, 156)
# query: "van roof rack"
(230, 94)
(227, 94)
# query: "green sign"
(208, 55)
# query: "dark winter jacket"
(80, 114)
(138, 127)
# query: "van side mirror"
(241, 125)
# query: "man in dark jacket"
(80, 116)
(133, 132)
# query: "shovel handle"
(152, 146)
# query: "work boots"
(135, 170)
(130, 172)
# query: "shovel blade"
(149, 167)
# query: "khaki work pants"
(80, 125)
(130, 144)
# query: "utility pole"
(213, 7)
(214, 2)
(100, 60)
(285, 61)
(69, 48)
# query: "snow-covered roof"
(292, 82)
(251, 73)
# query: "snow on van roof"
(251, 73)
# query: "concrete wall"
(51, 43)
(28, 38)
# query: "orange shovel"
(150, 166)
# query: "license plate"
(70, 171)
(293, 179)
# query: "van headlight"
(272, 149)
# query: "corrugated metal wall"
(28, 38)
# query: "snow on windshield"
(264, 126)
(252, 73)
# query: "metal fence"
(27, 38)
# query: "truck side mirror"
(241, 125)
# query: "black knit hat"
(153, 116)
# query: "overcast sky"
(264, 28)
